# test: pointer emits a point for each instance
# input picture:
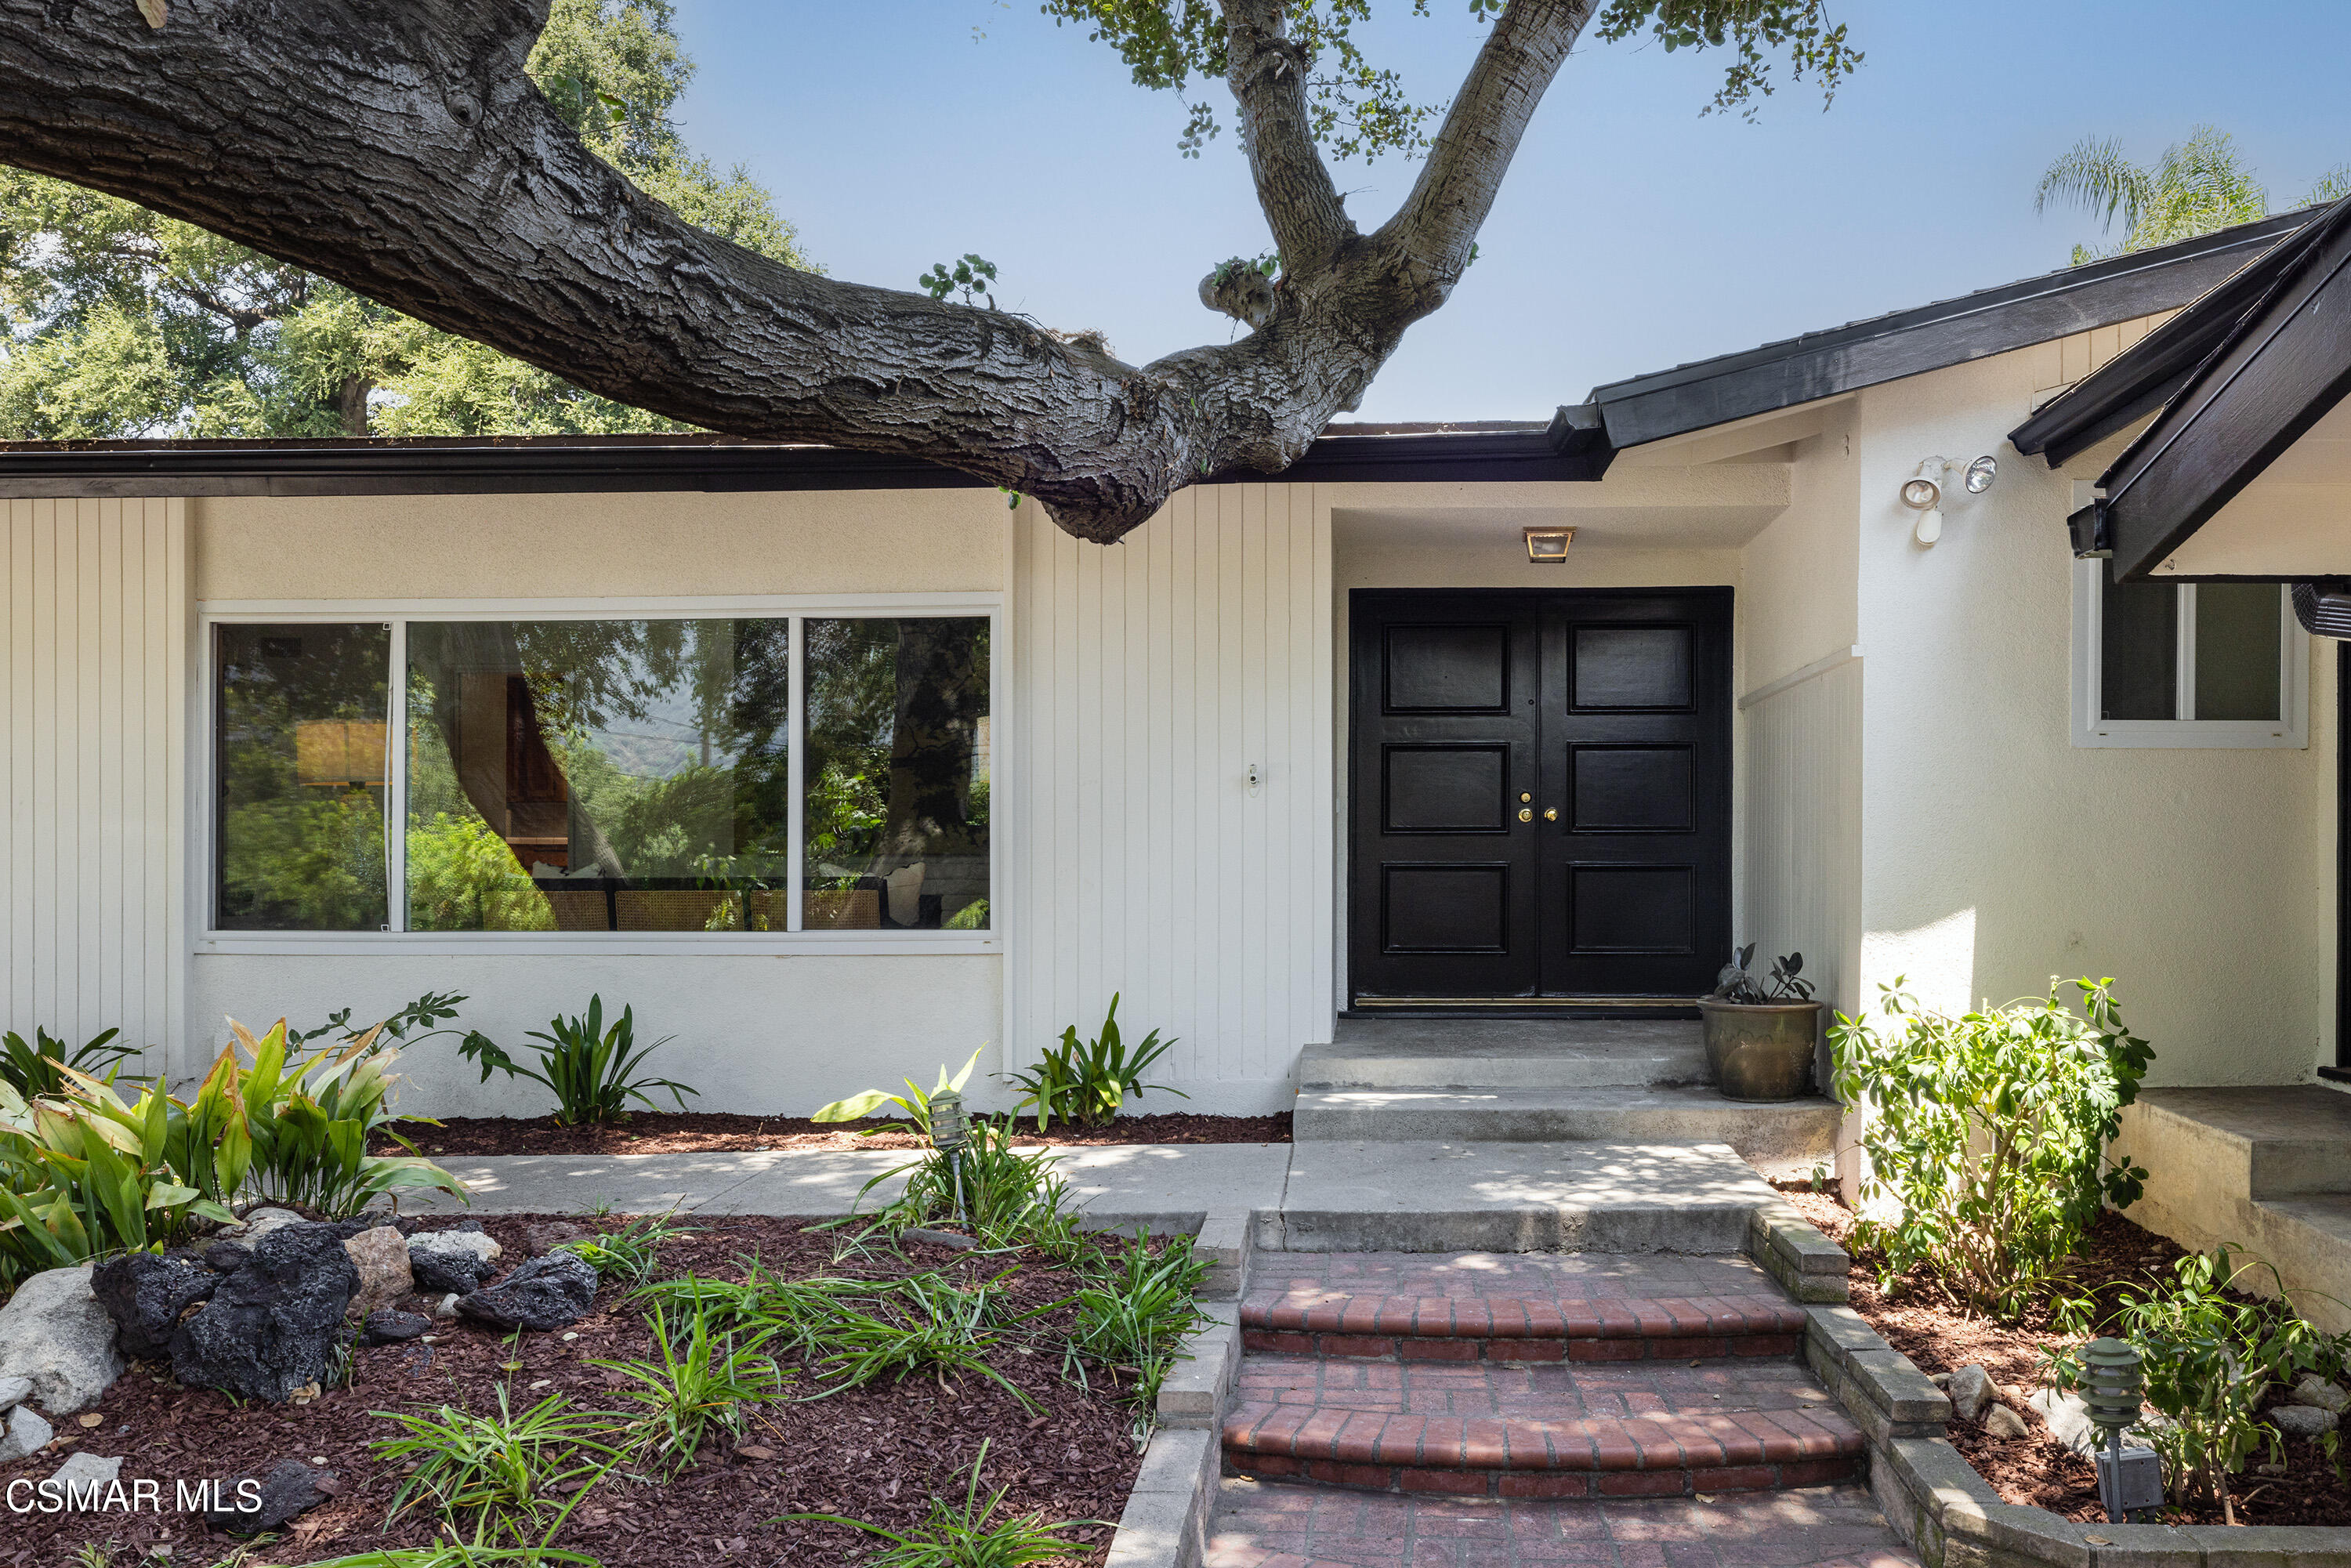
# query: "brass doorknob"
(1552, 815)
(1526, 813)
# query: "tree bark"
(397, 146)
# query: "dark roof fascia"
(1929, 336)
(2285, 363)
(2150, 373)
(573, 464)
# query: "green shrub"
(506, 1472)
(33, 1069)
(965, 1536)
(590, 1068)
(1134, 1312)
(83, 1174)
(1987, 1134)
(1085, 1082)
(703, 1381)
(2209, 1356)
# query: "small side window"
(2187, 664)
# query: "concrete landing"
(1510, 1053)
(2264, 1172)
(1785, 1138)
(1438, 1197)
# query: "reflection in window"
(598, 775)
(897, 773)
(302, 724)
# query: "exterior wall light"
(1923, 491)
(1981, 473)
(1549, 544)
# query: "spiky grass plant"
(965, 1534)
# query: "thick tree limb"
(397, 147)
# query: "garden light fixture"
(950, 1132)
(2112, 1383)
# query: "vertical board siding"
(1803, 882)
(1148, 676)
(93, 669)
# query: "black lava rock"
(544, 1293)
(272, 1326)
(227, 1256)
(439, 1274)
(145, 1292)
(392, 1327)
(293, 1488)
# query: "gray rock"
(1971, 1391)
(2315, 1390)
(273, 1326)
(291, 1488)
(2002, 1422)
(260, 1222)
(381, 1256)
(15, 1390)
(146, 1294)
(544, 1293)
(2303, 1420)
(451, 1260)
(54, 1332)
(391, 1328)
(447, 1307)
(25, 1433)
(84, 1469)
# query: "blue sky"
(1633, 234)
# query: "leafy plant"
(32, 1069)
(1002, 1198)
(83, 1174)
(703, 1381)
(2208, 1358)
(590, 1068)
(308, 1122)
(504, 1469)
(431, 1008)
(1085, 1082)
(1135, 1312)
(965, 1536)
(1988, 1135)
(924, 1326)
(1737, 984)
(971, 275)
(913, 1104)
(630, 1254)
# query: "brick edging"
(1165, 1522)
(1954, 1518)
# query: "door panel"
(1541, 793)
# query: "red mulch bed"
(2036, 1469)
(878, 1453)
(710, 1132)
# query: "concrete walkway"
(1306, 1198)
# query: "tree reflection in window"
(897, 773)
(598, 775)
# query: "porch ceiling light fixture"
(1549, 544)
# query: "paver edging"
(1165, 1522)
(1953, 1518)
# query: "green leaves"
(972, 275)
(1086, 1082)
(591, 1070)
(33, 1069)
(913, 1104)
(965, 1536)
(1987, 1134)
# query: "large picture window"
(604, 775)
(2186, 665)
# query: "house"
(837, 767)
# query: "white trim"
(1797, 677)
(2289, 731)
(396, 940)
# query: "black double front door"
(1541, 787)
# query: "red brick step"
(1662, 1455)
(1506, 1328)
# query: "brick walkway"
(1270, 1525)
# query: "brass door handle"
(1526, 813)
(1552, 815)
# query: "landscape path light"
(2113, 1381)
(950, 1132)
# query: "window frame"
(203, 825)
(2289, 731)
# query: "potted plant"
(1759, 1036)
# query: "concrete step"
(1513, 1054)
(1782, 1138)
(1516, 1329)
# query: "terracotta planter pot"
(1761, 1050)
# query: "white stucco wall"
(1996, 854)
